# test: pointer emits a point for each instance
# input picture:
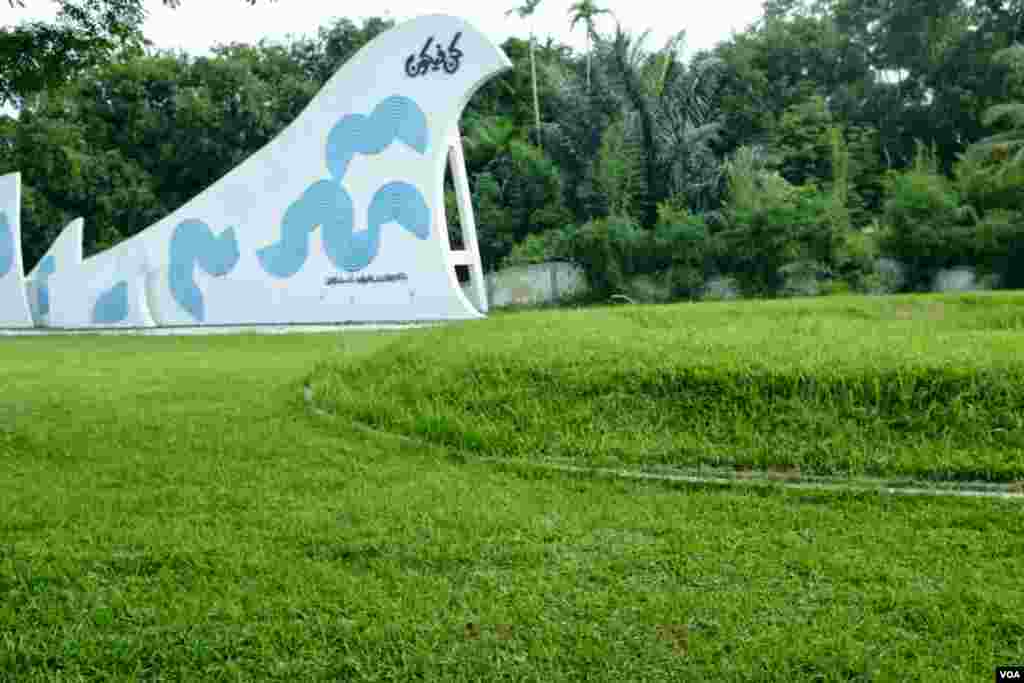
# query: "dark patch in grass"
(183, 566)
(677, 636)
(358, 553)
(815, 499)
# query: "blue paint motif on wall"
(47, 267)
(327, 204)
(6, 245)
(396, 117)
(193, 242)
(112, 306)
(398, 202)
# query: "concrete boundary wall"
(535, 284)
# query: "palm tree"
(672, 115)
(585, 11)
(489, 140)
(525, 10)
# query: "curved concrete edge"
(768, 479)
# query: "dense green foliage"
(807, 154)
(38, 55)
(170, 509)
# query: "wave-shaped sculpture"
(338, 219)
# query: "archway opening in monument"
(463, 247)
(456, 242)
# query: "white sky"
(199, 24)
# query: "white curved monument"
(339, 219)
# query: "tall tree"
(127, 142)
(673, 114)
(585, 11)
(36, 56)
(1010, 115)
(526, 10)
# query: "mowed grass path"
(171, 510)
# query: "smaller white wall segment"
(338, 219)
(64, 254)
(14, 311)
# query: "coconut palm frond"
(1011, 113)
(526, 9)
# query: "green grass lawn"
(171, 509)
(930, 388)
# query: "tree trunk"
(648, 201)
(536, 98)
(588, 63)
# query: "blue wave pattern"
(47, 267)
(324, 203)
(327, 204)
(396, 118)
(112, 306)
(6, 245)
(397, 201)
(193, 242)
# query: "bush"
(649, 288)
(606, 250)
(803, 278)
(998, 247)
(684, 282)
(835, 288)
(681, 247)
(889, 276)
(988, 184)
(759, 242)
(550, 245)
(666, 263)
(926, 228)
(518, 197)
(856, 258)
(770, 224)
(721, 288)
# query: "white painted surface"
(207, 330)
(14, 311)
(471, 254)
(74, 291)
(66, 249)
(66, 252)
